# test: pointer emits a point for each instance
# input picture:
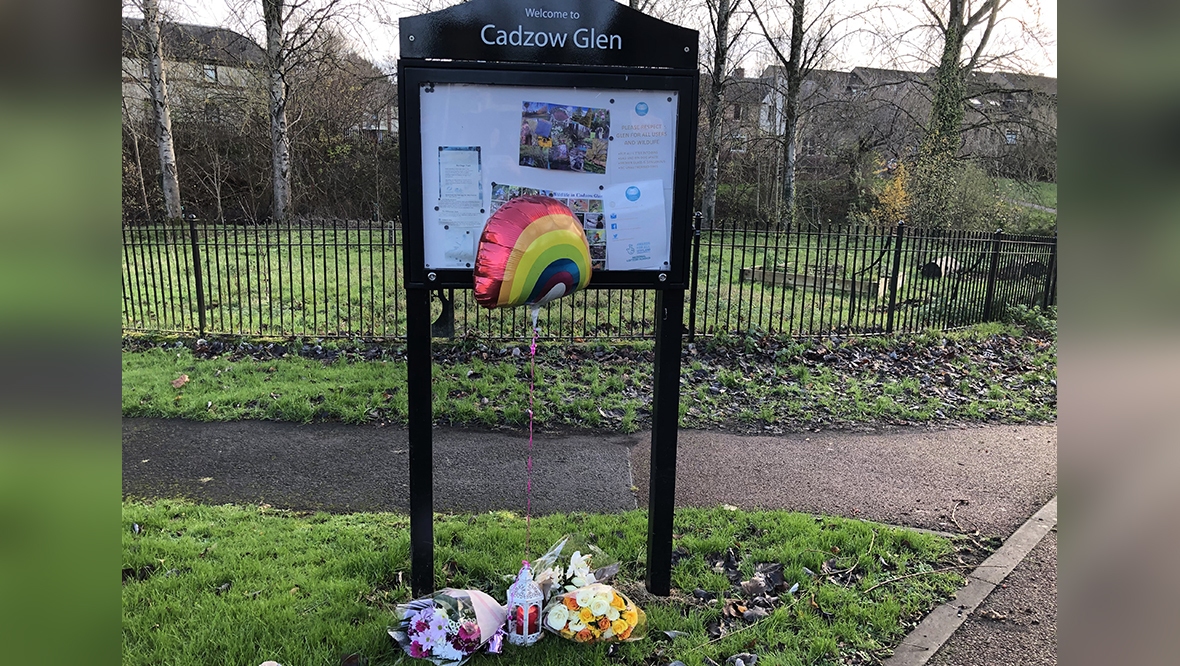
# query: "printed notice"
(636, 233)
(643, 137)
(459, 173)
(461, 212)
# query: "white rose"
(576, 624)
(602, 593)
(599, 606)
(608, 633)
(612, 613)
(557, 617)
(584, 597)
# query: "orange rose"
(625, 635)
(604, 624)
(583, 635)
(570, 603)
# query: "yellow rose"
(618, 602)
(586, 616)
(630, 616)
(619, 626)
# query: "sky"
(373, 32)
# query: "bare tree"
(967, 36)
(158, 84)
(293, 29)
(721, 15)
(130, 130)
(805, 43)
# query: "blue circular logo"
(641, 108)
(632, 193)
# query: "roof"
(869, 77)
(195, 43)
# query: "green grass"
(1044, 194)
(238, 585)
(754, 383)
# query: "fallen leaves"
(179, 381)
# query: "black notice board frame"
(452, 46)
(415, 75)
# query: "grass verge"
(753, 383)
(238, 585)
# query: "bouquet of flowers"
(595, 613)
(567, 566)
(449, 626)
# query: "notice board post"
(585, 101)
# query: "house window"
(1011, 137)
(210, 72)
(737, 111)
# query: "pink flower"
(468, 631)
(417, 651)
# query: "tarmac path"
(986, 478)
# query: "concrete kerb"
(936, 629)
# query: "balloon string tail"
(528, 493)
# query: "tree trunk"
(163, 118)
(130, 124)
(946, 112)
(279, 140)
(791, 108)
(714, 111)
(147, 210)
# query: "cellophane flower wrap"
(571, 563)
(596, 613)
(449, 626)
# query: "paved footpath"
(990, 479)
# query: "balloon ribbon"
(528, 493)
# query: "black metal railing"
(334, 278)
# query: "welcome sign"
(598, 32)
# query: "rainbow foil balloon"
(532, 251)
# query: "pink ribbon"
(528, 492)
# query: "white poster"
(460, 202)
(634, 229)
(574, 142)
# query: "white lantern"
(524, 609)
